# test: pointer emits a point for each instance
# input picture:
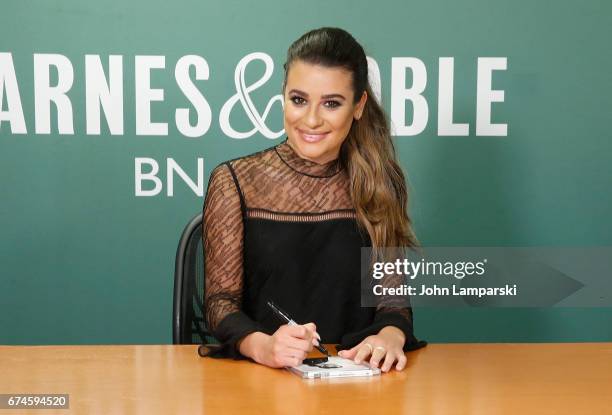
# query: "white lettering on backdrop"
(104, 95)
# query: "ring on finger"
(380, 348)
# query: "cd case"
(335, 367)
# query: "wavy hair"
(378, 186)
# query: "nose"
(313, 119)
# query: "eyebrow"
(328, 96)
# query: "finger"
(290, 360)
(377, 354)
(313, 329)
(350, 353)
(300, 354)
(300, 332)
(388, 363)
(283, 353)
(401, 362)
(363, 353)
(298, 344)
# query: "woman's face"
(319, 110)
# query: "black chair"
(188, 317)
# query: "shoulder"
(227, 174)
(258, 157)
(235, 166)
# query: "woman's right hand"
(288, 346)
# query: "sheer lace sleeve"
(223, 252)
(390, 311)
(400, 317)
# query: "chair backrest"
(188, 317)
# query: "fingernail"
(315, 342)
(317, 336)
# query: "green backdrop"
(85, 260)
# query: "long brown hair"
(378, 186)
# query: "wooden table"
(439, 379)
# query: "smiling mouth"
(312, 138)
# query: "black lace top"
(282, 228)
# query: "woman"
(286, 224)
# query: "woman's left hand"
(386, 347)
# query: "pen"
(291, 322)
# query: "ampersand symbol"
(242, 95)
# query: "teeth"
(313, 137)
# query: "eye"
(298, 98)
(335, 104)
